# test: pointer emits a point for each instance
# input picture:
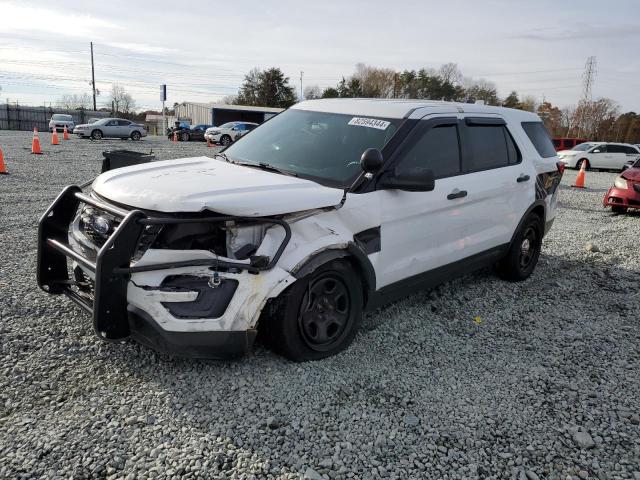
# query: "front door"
(420, 231)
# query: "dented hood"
(203, 183)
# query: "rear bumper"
(626, 198)
(120, 307)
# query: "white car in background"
(59, 121)
(111, 128)
(610, 156)
(228, 133)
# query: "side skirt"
(431, 278)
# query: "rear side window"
(437, 149)
(540, 138)
(487, 147)
(631, 150)
(616, 149)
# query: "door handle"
(523, 178)
(457, 194)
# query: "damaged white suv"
(329, 209)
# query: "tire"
(316, 317)
(618, 210)
(579, 164)
(96, 134)
(135, 136)
(184, 136)
(226, 140)
(522, 257)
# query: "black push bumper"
(113, 319)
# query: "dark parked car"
(189, 132)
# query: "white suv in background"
(332, 208)
(228, 133)
(607, 156)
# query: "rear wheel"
(523, 254)
(225, 140)
(184, 136)
(96, 134)
(580, 162)
(318, 316)
(135, 135)
(618, 209)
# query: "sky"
(203, 50)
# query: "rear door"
(124, 128)
(599, 157)
(500, 186)
(110, 129)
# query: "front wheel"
(96, 134)
(523, 254)
(225, 140)
(580, 162)
(318, 316)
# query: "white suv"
(228, 133)
(608, 156)
(332, 208)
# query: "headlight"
(620, 182)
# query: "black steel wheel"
(184, 136)
(522, 257)
(318, 316)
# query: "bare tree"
(449, 72)
(375, 82)
(229, 100)
(122, 101)
(312, 92)
(74, 102)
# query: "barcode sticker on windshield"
(369, 122)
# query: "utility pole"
(301, 94)
(93, 79)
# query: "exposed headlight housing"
(621, 182)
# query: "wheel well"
(539, 210)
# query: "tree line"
(598, 119)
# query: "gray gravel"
(545, 385)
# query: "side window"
(487, 147)
(540, 139)
(124, 123)
(600, 148)
(250, 127)
(436, 149)
(112, 123)
(241, 127)
(631, 151)
(512, 148)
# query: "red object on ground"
(624, 198)
(35, 143)
(3, 169)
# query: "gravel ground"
(545, 384)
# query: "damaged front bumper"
(160, 299)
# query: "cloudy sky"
(201, 50)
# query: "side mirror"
(371, 160)
(413, 180)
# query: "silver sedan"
(111, 128)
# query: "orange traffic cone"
(581, 174)
(3, 169)
(175, 136)
(54, 137)
(65, 133)
(209, 144)
(35, 144)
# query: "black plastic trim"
(422, 281)
(484, 121)
(211, 302)
(214, 345)
(369, 240)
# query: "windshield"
(93, 120)
(227, 125)
(324, 146)
(65, 118)
(583, 147)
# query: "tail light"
(561, 166)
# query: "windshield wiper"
(223, 156)
(268, 168)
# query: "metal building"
(218, 113)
